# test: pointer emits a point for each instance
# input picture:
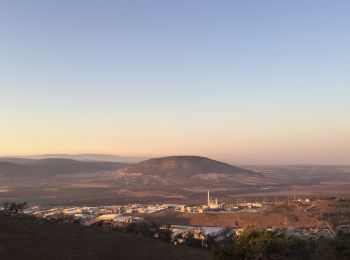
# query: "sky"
(263, 82)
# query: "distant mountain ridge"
(183, 166)
(83, 157)
(19, 167)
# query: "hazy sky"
(243, 81)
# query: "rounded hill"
(182, 166)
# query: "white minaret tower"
(208, 198)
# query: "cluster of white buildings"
(85, 213)
(90, 215)
(133, 213)
(214, 205)
(180, 233)
(314, 232)
(121, 212)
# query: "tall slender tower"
(208, 198)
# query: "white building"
(106, 217)
(213, 203)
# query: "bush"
(14, 207)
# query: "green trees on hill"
(341, 245)
(256, 244)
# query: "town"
(122, 216)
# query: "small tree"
(165, 234)
(6, 205)
(191, 241)
(14, 207)
(20, 207)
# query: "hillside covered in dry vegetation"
(31, 238)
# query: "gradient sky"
(242, 81)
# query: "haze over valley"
(167, 179)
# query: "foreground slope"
(25, 237)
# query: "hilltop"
(183, 166)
